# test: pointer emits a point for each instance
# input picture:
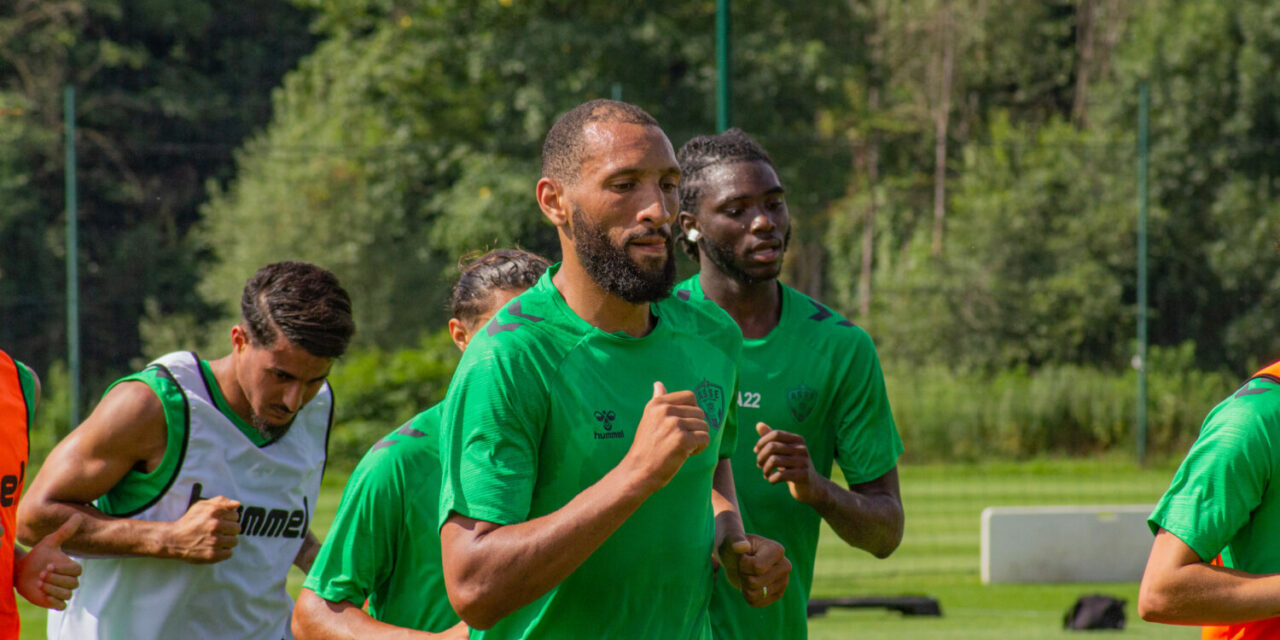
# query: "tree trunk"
(1085, 38)
(940, 119)
(871, 160)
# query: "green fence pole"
(73, 252)
(723, 106)
(1144, 106)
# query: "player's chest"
(597, 403)
(783, 392)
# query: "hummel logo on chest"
(606, 418)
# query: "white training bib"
(243, 597)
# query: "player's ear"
(458, 331)
(552, 201)
(686, 221)
(239, 339)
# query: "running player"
(810, 383)
(587, 424)
(43, 575)
(383, 545)
(197, 480)
(1215, 560)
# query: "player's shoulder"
(533, 319)
(700, 317)
(1257, 400)
(808, 317)
(418, 436)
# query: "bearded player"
(810, 383)
(586, 432)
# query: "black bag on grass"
(1095, 612)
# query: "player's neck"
(224, 374)
(599, 308)
(755, 306)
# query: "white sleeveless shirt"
(243, 597)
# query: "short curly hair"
(563, 148)
(703, 152)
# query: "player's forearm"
(99, 534)
(872, 522)
(315, 618)
(724, 503)
(491, 570)
(1201, 593)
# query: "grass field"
(939, 555)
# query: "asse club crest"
(711, 401)
(801, 399)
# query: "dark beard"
(614, 271)
(724, 259)
(268, 430)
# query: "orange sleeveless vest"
(13, 473)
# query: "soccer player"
(1215, 560)
(197, 480)
(810, 383)
(384, 544)
(586, 426)
(43, 575)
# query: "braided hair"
(482, 274)
(700, 154)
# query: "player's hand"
(45, 575)
(783, 457)
(672, 429)
(207, 532)
(757, 566)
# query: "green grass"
(939, 555)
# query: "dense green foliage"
(961, 175)
(165, 91)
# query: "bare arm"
(757, 566)
(315, 618)
(125, 431)
(1180, 588)
(491, 570)
(867, 515)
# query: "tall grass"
(944, 414)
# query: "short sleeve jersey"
(383, 545)
(817, 375)
(1223, 499)
(542, 406)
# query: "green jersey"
(816, 375)
(542, 406)
(383, 544)
(1224, 498)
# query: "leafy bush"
(378, 389)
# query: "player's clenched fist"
(207, 532)
(759, 568)
(784, 457)
(672, 429)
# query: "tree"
(165, 92)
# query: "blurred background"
(963, 177)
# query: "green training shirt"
(817, 375)
(383, 544)
(1223, 499)
(542, 406)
